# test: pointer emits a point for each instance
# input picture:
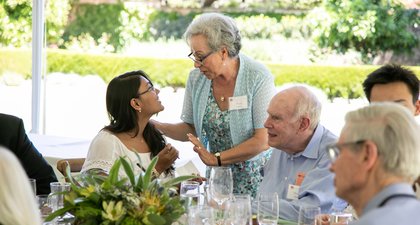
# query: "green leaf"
(59, 212)
(178, 180)
(113, 173)
(148, 174)
(128, 170)
(156, 219)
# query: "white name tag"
(292, 192)
(240, 102)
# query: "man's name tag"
(240, 102)
(292, 192)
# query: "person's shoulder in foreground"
(298, 168)
(17, 200)
(375, 162)
(14, 138)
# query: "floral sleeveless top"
(246, 175)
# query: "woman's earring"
(139, 110)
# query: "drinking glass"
(56, 201)
(43, 205)
(190, 193)
(221, 184)
(57, 194)
(201, 215)
(340, 218)
(238, 210)
(268, 208)
(32, 183)
(308, 215)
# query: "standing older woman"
(131, 100)
(225, 102)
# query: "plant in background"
(130, 200)
(369, 27)
(16, 21)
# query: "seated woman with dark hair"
(131, 100)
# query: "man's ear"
(417, 106)
(369, 155)
(305, 122)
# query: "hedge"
(342, 81)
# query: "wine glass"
(221, 184)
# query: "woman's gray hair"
(394, 131)
(220, 30)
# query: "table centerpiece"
(131, 200)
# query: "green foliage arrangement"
(334, 81)
(369, 27)
(112, 200)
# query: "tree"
(16, 21)
(367, 26)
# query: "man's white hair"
(394, 131)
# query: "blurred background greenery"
(108, 37)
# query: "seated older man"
(375, 162)
(298, 169)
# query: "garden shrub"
(168, 25)
(343, 81)
(16, 21)
(96, 20)
(369, 27)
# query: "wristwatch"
(219, 162)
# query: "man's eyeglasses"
(151, 88)
(335, 149)
(197, 59)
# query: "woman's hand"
(205, 156)
(199, 178)
(167, 157)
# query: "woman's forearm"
(247, 149)
(176, 131)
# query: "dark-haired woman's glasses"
(151, 88)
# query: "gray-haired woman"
(225, 102)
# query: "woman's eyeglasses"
(199, 60)
(151, 88)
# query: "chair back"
(75, 165)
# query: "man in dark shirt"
(14, 138)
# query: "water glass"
(238, 210)
(43, 205)
(340, 218)
(32, 183)
(308, 215)
(190, 193)
(57, 194)
(201, 215)
(268, 208)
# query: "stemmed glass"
(221, 184)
